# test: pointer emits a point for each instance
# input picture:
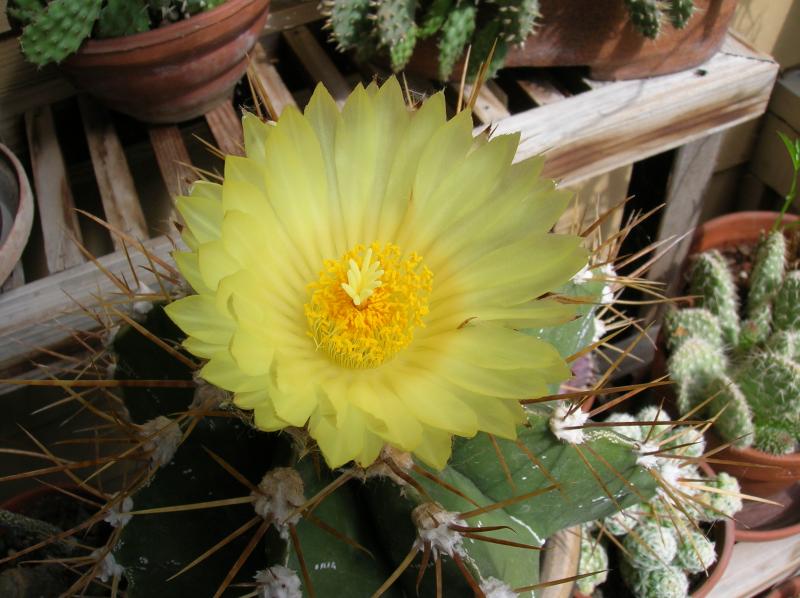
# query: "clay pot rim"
(767, 535)
(126, 43)
(14, 244)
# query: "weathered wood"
(56, 207)
(541, 90)
(290, 13)
(14, 280)
(45, 312)
(226, 126)
(605, 128)
(488, 107)
(317, 62)
(114, 179)
(692, 169)
(277, 92)
(173, 158)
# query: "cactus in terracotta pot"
(748, 375)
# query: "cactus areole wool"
(365, 273)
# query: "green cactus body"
(635, 433)
(767, 274)
(680, 11)
(435, 17)
(123, 17)
(456, 33)
(25, 11)
(775, 439)
(646, 16)
(786, 343)
(487, 36)
(786, 304)
(720, 504)
(771, 384)
(622, 522)
(397, 29)
(711, 279)
(349, 21)
(682, 324)
(756, 329)
(663, 582)
(696, 553)
(734, 418)
(693, 367)
(518, 18)
(59, 30)
(593, 559)
(651, 545)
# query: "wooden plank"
(279, 95)
(45, 312)
(603, 129)
(757, 566)
(317, 62)
(14, 280)
(541, 89)
(173, 158)
(488, 107)
(114, 179)
(54, 199)
(226, 126)
(288, 14)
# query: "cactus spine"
(646, 16)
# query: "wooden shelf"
(585, 127)
(757, 566)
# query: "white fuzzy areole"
(432, 523)
(142, 307)
(108, 566)
(583, 276)
(280, 492)
(607, 296)
(562, 419)
(495, 588)
(163, 437)
(118, 515)
(645, 460)
(278, 582)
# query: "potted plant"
(157, 60)
(16, 211)
(618, 39)
(315, 412)
(658, 549)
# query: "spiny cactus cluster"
(53, 30)
(742, 369)
(662, 545)
(393, 27)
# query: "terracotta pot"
(173, 73)
(758, 522)
(598, 34)
(16, 211)
(788, 589)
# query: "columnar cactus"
(751, 381)
(494, 24)
(53, 30)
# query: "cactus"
(751, 384)
(397, 30)
(680, 11)
(646, 16)
(349, 21)
(518, 18)
(695, 552)
(593, 560)
(456, 32)
(663, 582)
(54, 30)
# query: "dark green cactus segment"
(767, 274)
(786, 304)
(693, 366)
(456, 33)
(786, 343)
(771, 384)
(593, 559)
(434, 18)
(518, 18)
(59, 30)
(646, 16)
(712, 280)
(395, 19)
(777, 440)
(683, 324)
(488, 35)
(680, 11)
(123, 17)
(24, 12)
(756, 330)
(734, 418)
(349, 22)
(400, 53)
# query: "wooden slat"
(114, 179)
(279, 95)
(488, 107)
(288, 14)
(317, 62)
(14, 280)
(541, 90)
(173, 158)
(53, 196)
(619, 124)
(226, 126)
(45, 312)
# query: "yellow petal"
(339, 443)
(435, 448)
(251, 353)
(190, 269)
(197, 316)
(386, 415)
(256, 132)
(500, 417)
(201, 348)
(221, 370)
(215, 263)
(435, 405)
(265, 419)
(202, 211)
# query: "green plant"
(54, 29)
(742, 371)
(227, 486)
(497, 25)
(661, 541)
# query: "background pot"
(598, 34)
(16, 211)
(173, 73)
(788, 589)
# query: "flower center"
(365, 306)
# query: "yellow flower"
(365, 272)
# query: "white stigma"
(362, 282)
